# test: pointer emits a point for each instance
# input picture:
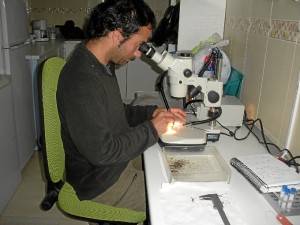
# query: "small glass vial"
(283, 188)
(285, 199)
(290, 200)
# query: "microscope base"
(212, 133)
(212, 136)
(185, 136)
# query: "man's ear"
(117, 37)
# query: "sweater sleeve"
(138, 114)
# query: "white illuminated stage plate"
(184, 135)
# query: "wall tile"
(285, 30)
(161, 4)
(150, 3)
(295, 139)
(160, 8)
(37, 3)
(228, 36)
(53, 4)
(274, 31)
(93, 3)
(239, 8)
(238, 48)
(53, 19)
(75, 4)
(58, 11)
(287, 10)
(294, 82)
(254, 69)
(261, 8)
(275, 85)
(260, 26)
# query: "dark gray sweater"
(100, 134)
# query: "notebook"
(265, 172)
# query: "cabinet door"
(52, 53)
(69, 47)
(61, 51)
(10, 170)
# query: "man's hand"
(162, 117)
(177, 112)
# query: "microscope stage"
(185, 136)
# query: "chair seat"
(69, 202)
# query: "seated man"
(104, 138)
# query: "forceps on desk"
(216, 204)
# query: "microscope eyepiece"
(144, 48)
(147, 50)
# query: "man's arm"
(138, 114)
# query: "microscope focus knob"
(187, 73)
(213, 96)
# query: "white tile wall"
(264, 45)
(77, 10)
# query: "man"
(103, 138)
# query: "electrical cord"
(261, 130)
(289, 162)
(191, 102)
(293, 162)
(207, 120)
(249, 123)
(230, 133)
(186, 104)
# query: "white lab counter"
(40, 49)
(255, 209)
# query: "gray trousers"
(129, 190)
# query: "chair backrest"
(54, 157)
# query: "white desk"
(255, 208)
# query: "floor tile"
(24, 207)
(31, 221)
(68, 221)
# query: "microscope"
(185, 84)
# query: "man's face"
(129, 50)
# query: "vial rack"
(272, 199)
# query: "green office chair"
(54, 160)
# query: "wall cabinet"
(68, 47)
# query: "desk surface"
(255, 208)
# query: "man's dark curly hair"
(126, 15)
